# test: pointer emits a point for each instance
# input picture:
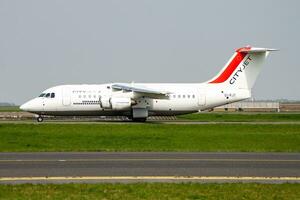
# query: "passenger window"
(188, 96)
(179, 96)
(47, 95)
(52, 95)
(193, 96)
(183, 96)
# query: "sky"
(46, 43)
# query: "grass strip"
(242, 117)
(188, 191)
(9, 109)
(150, 137)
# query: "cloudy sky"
(47, 43)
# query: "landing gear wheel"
(139, 119)
(39, 119)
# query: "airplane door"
(66, 100)
(44, 103)
(201, 99)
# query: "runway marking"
(153, 159)
(186, 178)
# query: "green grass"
(150, 137)
(242, 117)
(9, 109)
(189, 191)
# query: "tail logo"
(240, 70)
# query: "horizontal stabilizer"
(254, 50)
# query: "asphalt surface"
(131, 167)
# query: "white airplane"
(137, 101)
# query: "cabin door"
(66, 100)
(201, 99)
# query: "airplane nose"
(32, 106)
(24, 107)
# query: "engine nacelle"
(105, 102)
(118, 103)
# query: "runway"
(149, 167)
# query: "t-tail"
(242, 69)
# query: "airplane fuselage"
(104, 100)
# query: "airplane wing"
(141, 90)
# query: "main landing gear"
(39, 119)
(142, 119)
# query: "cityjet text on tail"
(138, 101)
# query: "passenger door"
(66, 96)
(201, 99)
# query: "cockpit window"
(48, 95)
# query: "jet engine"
(116, 103)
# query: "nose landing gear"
(39, 119)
